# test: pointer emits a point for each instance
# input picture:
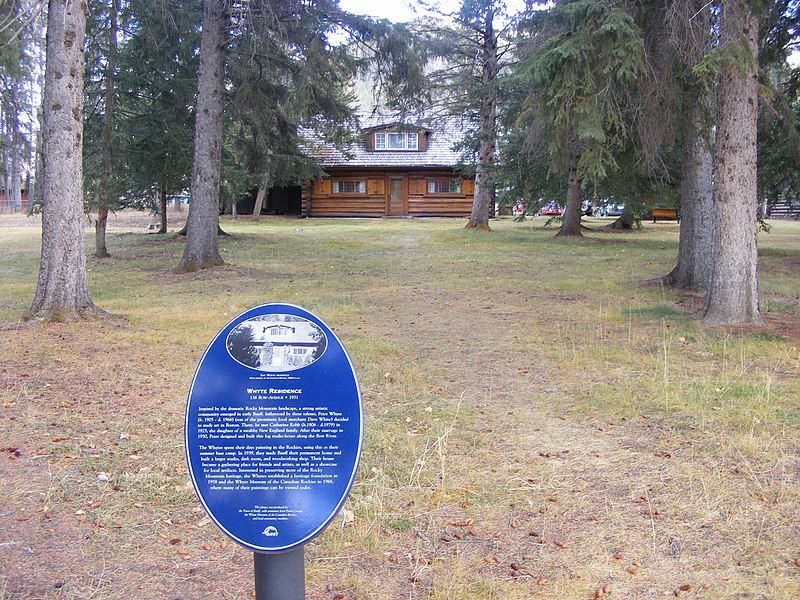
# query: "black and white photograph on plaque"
(276, 343)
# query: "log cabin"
(394, 168)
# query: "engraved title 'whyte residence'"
(395, 168)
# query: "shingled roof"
(443, 134)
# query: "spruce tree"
(62, 291)
(733, 292)
(577, 62)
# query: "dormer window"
(397, 140)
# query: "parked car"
(519, 209)
(551, 209)
(615, 209)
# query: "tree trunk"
(104, 195)
(259, 203)
(35, 182)
(16, 171)
(162, 198)
(5, 145)
(200, 251)
(571, 223)
(178, 204)
(15, 143)
(484, 169)
(100, 233)
(624, 222)
(62, 292)
(35, 196)
(100, 248)
(733, 291)
(693, 269)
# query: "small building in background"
(7, 204)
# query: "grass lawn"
(536, 424)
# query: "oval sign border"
(270, 549)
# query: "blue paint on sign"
(273, 427)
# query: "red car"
(551, 209)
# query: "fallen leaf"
(348, 518)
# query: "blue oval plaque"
(273, 427)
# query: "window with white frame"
(396, 140)
(349, 187)
(444, 186)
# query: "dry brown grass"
(536, 425)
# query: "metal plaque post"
(280, 576)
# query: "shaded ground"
(536, 425)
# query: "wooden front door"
(397, 200)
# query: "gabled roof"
(443, 133)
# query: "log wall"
(322, 202)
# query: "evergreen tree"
(277, 93)
(140, 90)
(683, 30)
(285, 45)
(577, 62)
(16, 45)
(200, 250)
(779, 118)
(99, 122)
(62, 291)
(469, 55)
(156, 87)
(779, 140)
(733, 291)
